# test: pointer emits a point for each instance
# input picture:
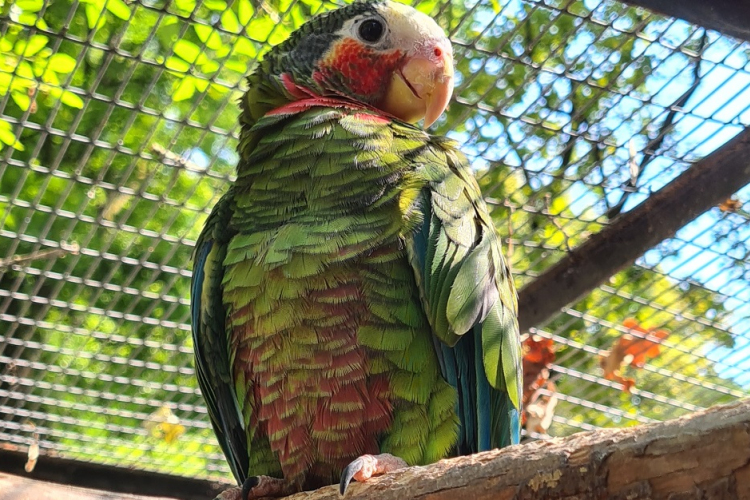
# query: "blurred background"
(118, 134)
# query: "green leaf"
(8, 137)
(277, 36)
(200, 84)
(119, 9)
(177, 64)
(30, 5)
(208, 35)
(22, 99)
(427, 7)
(245, 11)
(222, 52)
(219, 88)
(169, 21)
(215, 4)
(260, 28)
(27, 48)
(235, 65)
(230, 22)
(71, 99)
(185, 90)
(209, 66)
(62, 63)
(245, 47)
(94, 15)
(10, 81)
(189, 51)
(5, 81)
(203, 31)
(28, 19)
(23, 70)
(55, 92)
(185, 5)
(50, 77)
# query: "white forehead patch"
(405, 19)
(405, 27)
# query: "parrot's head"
(383, 54)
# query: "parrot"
(352, 311)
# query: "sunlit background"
(118, 134)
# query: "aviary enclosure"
(608, 140)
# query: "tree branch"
(729, 17)
(51, 253)
(703, 455)
(704, 185)
(653, 146)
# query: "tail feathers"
(507, 423)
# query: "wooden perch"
(705, 455)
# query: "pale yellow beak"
(422, 88)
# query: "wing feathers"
(210, 342)
(469, 298)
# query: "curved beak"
(423, 87)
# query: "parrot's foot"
(230, 494)
(265, 486)
(257, 487)
(368, 466)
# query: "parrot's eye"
(371, 30)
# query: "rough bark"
(705, 455)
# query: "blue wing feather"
(210, 340)
(487, 415)
(197, 283)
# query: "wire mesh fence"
(118, 133)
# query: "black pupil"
(371, 30)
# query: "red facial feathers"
(364, 71)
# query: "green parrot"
(352, 312)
